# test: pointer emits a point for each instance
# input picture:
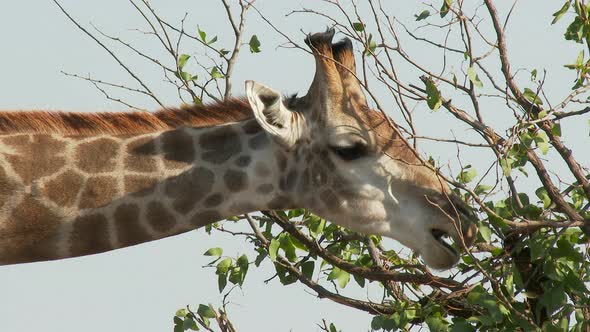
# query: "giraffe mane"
(121, 123)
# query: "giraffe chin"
(439, 254)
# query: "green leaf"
(543, 147)
(543, 196)
(235, 276)
(341, 276)
(180, 313)
(558, 14)
(289, 248)
(214, 252)
(506, 165)
(213, 40)
(424, 14)
(206, 311)
(224, 265)
(221, 281)
(184, 76)
(485, 232)
(542, 141)
(497, 252)
(359, 280)
(542, 114)
(358, 26)
(242, 262)
(532, 96)
(178, 327)
(254, 44)
(481, 297)
(474, 78)
(371, 45)
(333, 328)
(203, 35)
(238, 275)
(553, 298)
(533, 75)
(467, 174)
(461, 325)
(575, 31)
(516, 276)
(377, 322)
(182, 59)
(273, 248)
(574, 283)
(189, 324)
(215, 73)
(307, 269)
(433, 99)
(437, 324)
(556, 129)
(580, 59)
(446, 7)
(482, 189)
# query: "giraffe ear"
(267, 104)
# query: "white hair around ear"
(285, 126)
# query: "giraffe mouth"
(444, 239)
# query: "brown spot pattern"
(261, 170)
(279, 203)
(235, 180)
(259, 141)
(205, 217)
(288, 183)
(220, 144)
(98, 156)
(159, 217)
(98, 191)
(38, 156)
(139, 155)
(251, 127)
(243, 161)
(90, 235)
(178, 148)
(242, 207)
(189, 188)
(140, 185)
(7, 187)
(129, 230)
(281, 160)
(34, 228)
(213, 200)
(304, 181)
(265, 188)
(64, 189)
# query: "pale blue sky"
(139, 288)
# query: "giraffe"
(74, 184)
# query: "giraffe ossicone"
(73, 184)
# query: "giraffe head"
(354, 169)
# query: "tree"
(529, 269)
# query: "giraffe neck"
(66, 196)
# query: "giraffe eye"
(351, 152)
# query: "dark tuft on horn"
(320, 38)
(345, 45)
